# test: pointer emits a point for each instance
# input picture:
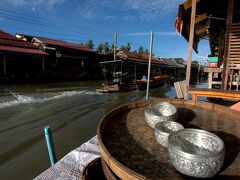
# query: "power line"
(43, 20)
(71, 37)
(32, 20)
(39, 23)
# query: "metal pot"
(164, 129)
(196, 152)
(160, 112)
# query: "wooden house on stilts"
(19, 59)
(219, 22)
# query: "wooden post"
(190, 45)
(115, 46)
(210, 75)
(227, 44)
(43, 64)
(4, 66)
(135, 74)
(149, 64)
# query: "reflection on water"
(73, 110)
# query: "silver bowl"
(196, 153)
(160, 112)
(164, 129)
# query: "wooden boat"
(156, 81)
(116, 80)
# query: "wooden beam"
(202, 30)
(43, 64)
(227, 43)
(201, 18)
(212, 70)
(4, 66)
(187, 4)
(190, 45)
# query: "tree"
(90, 44)
(141, 50)
(112, 48)
(100, 48)
(123, 48)
(146, 51)
(128, 46)
(106, 48)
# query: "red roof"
(22, 50)
(10, 43)
(61, 43)
(138, 57)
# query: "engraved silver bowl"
(164, 129)
(196, 152)
(163, 111)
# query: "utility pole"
(149, 64)
(115, 46)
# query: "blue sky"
(79, 20)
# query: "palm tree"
(112, 48)
(100, 48)
(106, 47)
(128, 46)
(123, 48)
(90, 44)
(141, 50)
(146, 51)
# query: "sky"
(80, 20)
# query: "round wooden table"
(129, 148)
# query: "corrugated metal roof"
(138, 57)
(10, 43)
(64, 44)
(22, 50)
(16, 43)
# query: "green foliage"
(112, 48)
(141, 50)
(125, 48)
(146, 51)
(90, 44)
(100, 48)
(106, 47)
(103, 48)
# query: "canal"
(72, 110)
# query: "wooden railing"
(233, 61)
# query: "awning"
(182, 25)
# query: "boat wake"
(25, 99)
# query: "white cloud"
(128, 9)
(36, 4)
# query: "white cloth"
(71, 166)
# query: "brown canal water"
(73, 111)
